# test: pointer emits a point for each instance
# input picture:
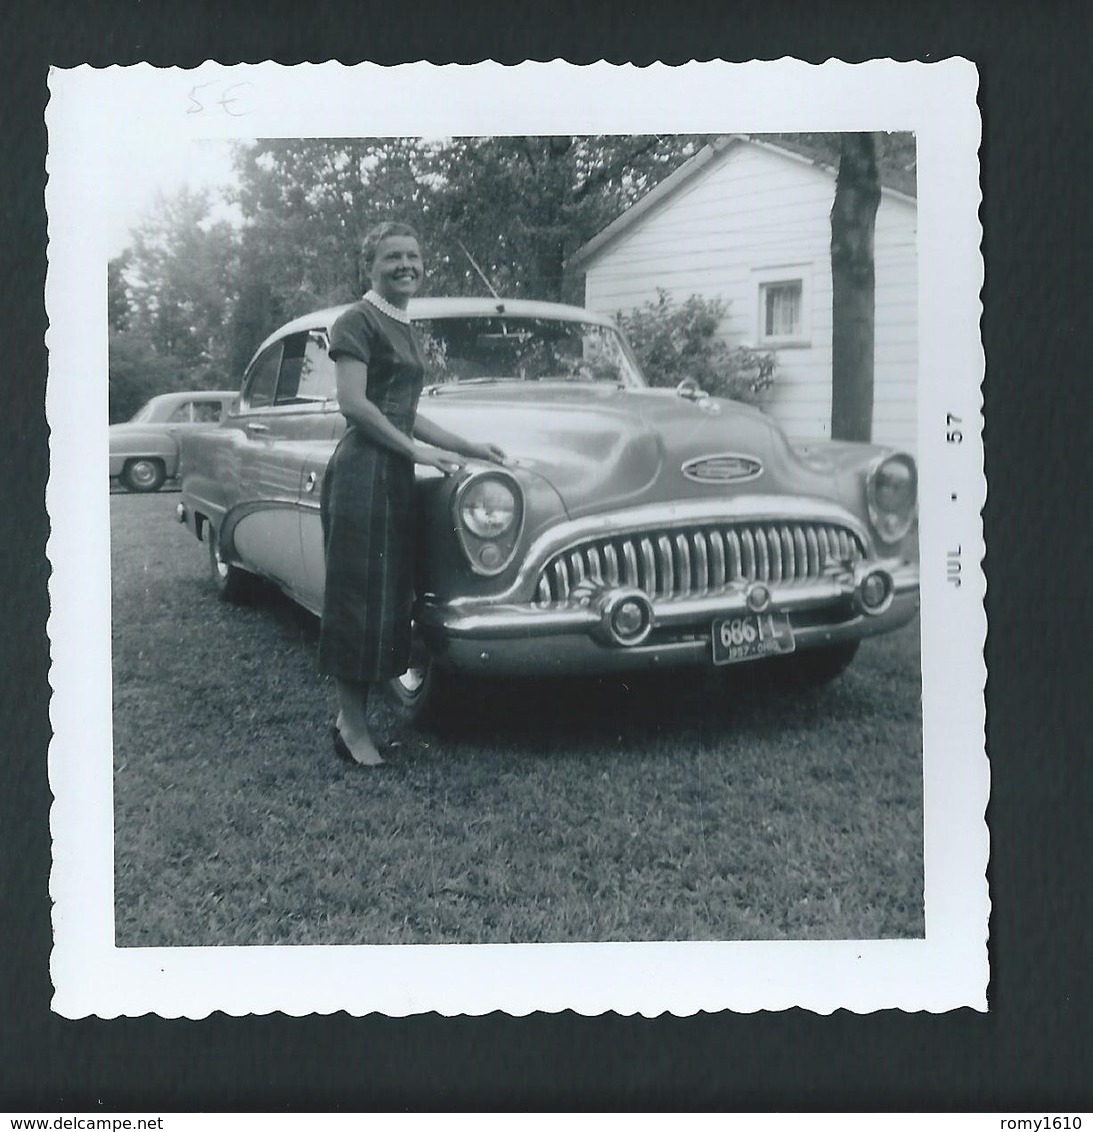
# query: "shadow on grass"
(672, 710)
(587, 715)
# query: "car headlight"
(488, 508)
(891, 492)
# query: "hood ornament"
(690, 390)
(725, 467)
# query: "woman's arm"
(352, 381)
(440, 437)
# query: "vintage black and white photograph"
(512, 537)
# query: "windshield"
(504, 348)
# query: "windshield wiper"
(560, 379)
(441, 386)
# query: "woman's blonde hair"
(379, 233)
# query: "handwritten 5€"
(218, 97)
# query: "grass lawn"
(685, 807)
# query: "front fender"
(149, 445)
(849, 463)
(444, 571)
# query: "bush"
(674, 343)
(137, 372)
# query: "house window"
(784, 316)
(782, 309)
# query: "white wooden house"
(749, 222)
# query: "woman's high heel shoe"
(341, 749)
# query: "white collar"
(381, 304)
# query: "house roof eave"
(671, 184)
(659, 192)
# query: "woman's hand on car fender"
(488, 452)
(439, 458)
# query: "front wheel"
(232, 583)
(144, 474)
(425, 695)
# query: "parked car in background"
(634, 528)
(144, 450)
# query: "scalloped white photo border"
(93, 115)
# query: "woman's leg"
(353, 722)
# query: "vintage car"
(144, 449)
(632, 528)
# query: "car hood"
(602, 447)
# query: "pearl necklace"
(382, 305)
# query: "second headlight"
(892, 495)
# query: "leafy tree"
(205, 294)
(117, 295)
(516, 206)
(521, 205)
(853, 283)
(677, 343)
(306, 204)
(181, 278)
(136, 373)
(169, 298)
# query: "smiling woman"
(368, 491)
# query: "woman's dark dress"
(367, 510)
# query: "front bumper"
(523, 640)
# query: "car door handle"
(256, 426)
(310, 480)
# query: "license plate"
(751, 636)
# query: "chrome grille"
(694, 561)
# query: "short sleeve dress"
(368, 509)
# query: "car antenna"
(481, 273)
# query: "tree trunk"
(853, 288)
(551, 269)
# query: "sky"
(160, 165)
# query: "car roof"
(449, 308)
(190, 394)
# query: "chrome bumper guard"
(583, 634)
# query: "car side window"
(207, 412)
(307, 373)
(261, 383)
(317, 377)
(181, 415)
